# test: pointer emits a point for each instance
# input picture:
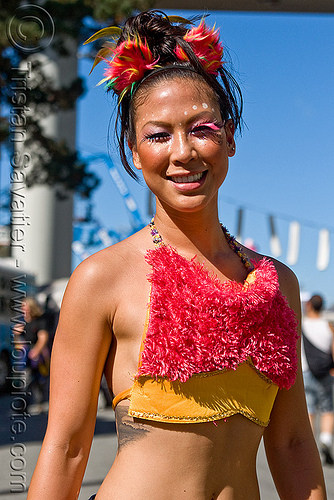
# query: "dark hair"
(162, 38)
(316, 302)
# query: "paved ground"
(18, 455)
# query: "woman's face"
(182, 145)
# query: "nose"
(183, 149)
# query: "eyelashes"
(207, 130)
(157, 137)
(200, 130)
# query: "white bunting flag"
(323, 250)
(240, 224)
(275, 244)
(293, 243)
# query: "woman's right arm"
(81, 345)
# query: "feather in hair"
(206, 46)
(132, 59)
(178, 19)
(102, 55)
(109, 31)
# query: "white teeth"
(187, 178)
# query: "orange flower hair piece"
(206, 46)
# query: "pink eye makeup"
(202, 130)
(207, 130)
(211, 125)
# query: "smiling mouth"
(184, 179)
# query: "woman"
(217, 360)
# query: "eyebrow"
(161, 123)
(158, 123)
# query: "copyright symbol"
(30, 29)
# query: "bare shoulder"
(104, 272)
(288, 281)
(111, 262)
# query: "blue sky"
(284, 161)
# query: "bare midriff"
(202, 461)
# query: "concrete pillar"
(48, 237)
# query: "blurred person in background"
(36, 338)
(318, 372)
(51, 317)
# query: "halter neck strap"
(158, 242)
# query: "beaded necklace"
(158, 242)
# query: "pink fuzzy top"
(199, 324)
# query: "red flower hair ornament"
(128, 62)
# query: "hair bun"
(161, 35)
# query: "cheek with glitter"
(186, 112)
(204, 105)
(194, 106)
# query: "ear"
(229, 131)
(135, 156)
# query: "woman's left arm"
(290, 446)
